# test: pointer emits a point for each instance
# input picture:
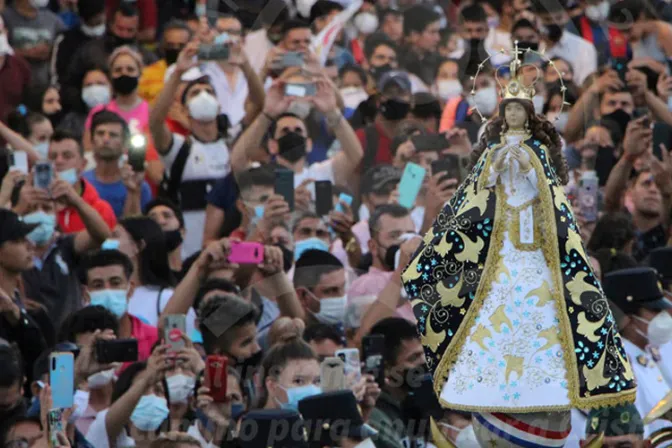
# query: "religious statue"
(515, 325)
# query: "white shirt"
(143, 305)
(97, 434)
(580, 54)
(231, 98)
(317, 171)
(194, 432)
(257, 47)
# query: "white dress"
(512, 360)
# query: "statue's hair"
(540, 129)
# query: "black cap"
(661, 260)
(396, 78)
(12, 227)
(380, 178)
(272, 428)
(332, 416)
(634, 288)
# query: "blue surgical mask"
(237, 410)
(70, 176)
(200, 10)
(110, 244)
(42, 234)
(113, 300)
(150, 412)
(311, 243)
(296, 394)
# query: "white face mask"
(81, 401)
(299, 108)
(100, 379)
(366, 22)
(39, 4)
(332, 310)
(559, 120)
(5, 48)
(447, 89)
(203, 107)
(599, 12)
(538, 102)
(180, 388)
(353, 96)
(485, 100)
(93, 31)
(96, 95)
(660, 328)
(466, 437)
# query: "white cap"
(189, 75)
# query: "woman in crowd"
(96, 90)
(28, 131)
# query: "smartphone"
(214, 52)
(345, 198)
(324, 197)
(332, 374)
(411, 182)
(175, 325)
(620, 65)
(300, 90)
(117, 350)
(588, 190)
(136, 153)
(292, 59)
(284, 186)
(18, 161)
(351, 363)
(43, 176)
(54, 426)
(246, 253)
(431, 142)
(662, 134)
(62, 379)
(449, 164)
(216, 376)
(373, 347)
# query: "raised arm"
(18, 143)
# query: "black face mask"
(292, 147)
(554, 32)
(55, 118)
(395, 110)
(651, 77)
(125, 84)
(171, 55)
(173, 239)
(114, 41)
(620, 118)
(604, 162)
(377, 72)
(248, 367)
(534, 46)
(390, 254)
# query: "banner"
(323, 42)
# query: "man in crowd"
(421, 31)
(319, 280)
(170, 218)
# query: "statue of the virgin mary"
(512, 318)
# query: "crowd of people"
(143, 141)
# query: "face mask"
(485, 99)
(296, 394)
(93, 31)
(493, 22)
(660, 328)
(558, 120)
(100, 379)
(538, 102)
(299, 108)
(70, 176)
(110, 244)
(332, 310)
(620, 117)
(171, 55)
(311, 243)
(39, 4)
(42, 149)
(203, 107)
(465, 436)
(394, 110)
(44, 231)
(292, 147)
(534, 46)
(125, 84)
(113, 41)
(237, 409)
(353, 96)
(113, 300)
(366, 22)
(5, 48)
(96, 95)
(598, 13)
(377, 72)
(150, 412)
(200, 10)
(448, 88)
(173, 239)
(81, 401)
(554, 32)
(180, 388)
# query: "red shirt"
(146, 335)
(14, 78)
(146, 9)
(69, 220)
(384, 154)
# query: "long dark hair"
(540, 128)
(153, 266)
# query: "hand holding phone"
(43, 176)
(300, 90)
(284, 185)
(373, 347)
(62, 379)
(410, 185)
(174, 329)
(246, 253)
(332, 375)
(116, 350)
(18, 161)
(324, 198)
(216, 377)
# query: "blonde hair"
(125, 49)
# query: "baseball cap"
(397, 77)
(12, 227)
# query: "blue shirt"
(115, 193)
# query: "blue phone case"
(343, 198)
(62, 379)
(411, 182)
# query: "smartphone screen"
(588, 191)
(324, 198)
(18, 161)
(300, 90)
(284, 186)
(434, 142)
(43, 175)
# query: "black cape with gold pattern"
(452, 272)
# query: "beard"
(108, 154)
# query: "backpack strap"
(177, 169)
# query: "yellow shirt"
(151, 81)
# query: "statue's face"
(515, 115)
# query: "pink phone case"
(246, 253)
